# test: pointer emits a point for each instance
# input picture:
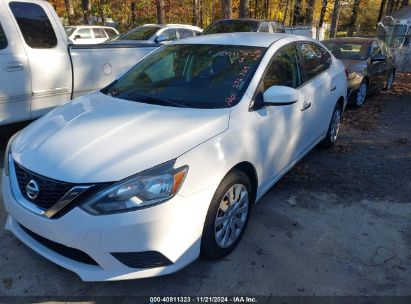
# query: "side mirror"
(77, 37)
(280, 96)
(378, 57)
(163, 38)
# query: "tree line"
(342, 15)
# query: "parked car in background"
(40, 70)
(157, 33)
(369, 62)
(244, 25)
(193, 135)
(87, 34)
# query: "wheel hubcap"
(231, 216)
(335, 125)
(362, 92)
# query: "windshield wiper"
(162, 100)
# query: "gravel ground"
(339, 223)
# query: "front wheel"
(333, 129)
(361, 94)
(227, 216)
(390, 81)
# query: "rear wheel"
(333, 129)
(227, 216)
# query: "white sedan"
(163, 165)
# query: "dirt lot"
(338, 224)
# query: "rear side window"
(284, 69)
(98, 33)
(185, 33)
(312, 60)
(264, 28)
(34, 24)
(3, 39)
(84, 33)
(110, 32)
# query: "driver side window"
(284, 69)
(170, 33)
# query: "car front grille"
(68, 252)
(50, 190)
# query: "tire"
(222, 231)
(390, 81)
(361, 94)
(333, 128)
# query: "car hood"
(97, 138)
(354, 65)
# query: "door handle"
(13, 66)
(333, 88)
(306, 105)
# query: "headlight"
(146, 189)
(6, 169)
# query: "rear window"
(231, 26)
(34, 24)
(3, 39)
(110, 32)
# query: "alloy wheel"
(361, 94)
(231, 216)
(335, 125)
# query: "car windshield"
(195, 76)
(231, 26)
(348, 50)
(392, 35)
(140, 33)
(69, 30)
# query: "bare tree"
(309, 10)
(161, 15)
(334, 20)
(244, 8)
(353, 19)
(322, 13)
(298, 8)
(86, 5)
(286, 11)
(133, 11)
(390, 5)
(227, 9)
(382, 9)
(196, 12)
(70, 11)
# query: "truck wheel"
(227, 216)
(333, 129)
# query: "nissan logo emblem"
(32, 189)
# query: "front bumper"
(173, 229)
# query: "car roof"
(188, 26)
(246, 38)
(350, 39)
(90, 26)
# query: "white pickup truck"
(39, 70)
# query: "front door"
(46, 51)
(281, 129)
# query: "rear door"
(46, 50)
(318, 90)
(15, 84)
